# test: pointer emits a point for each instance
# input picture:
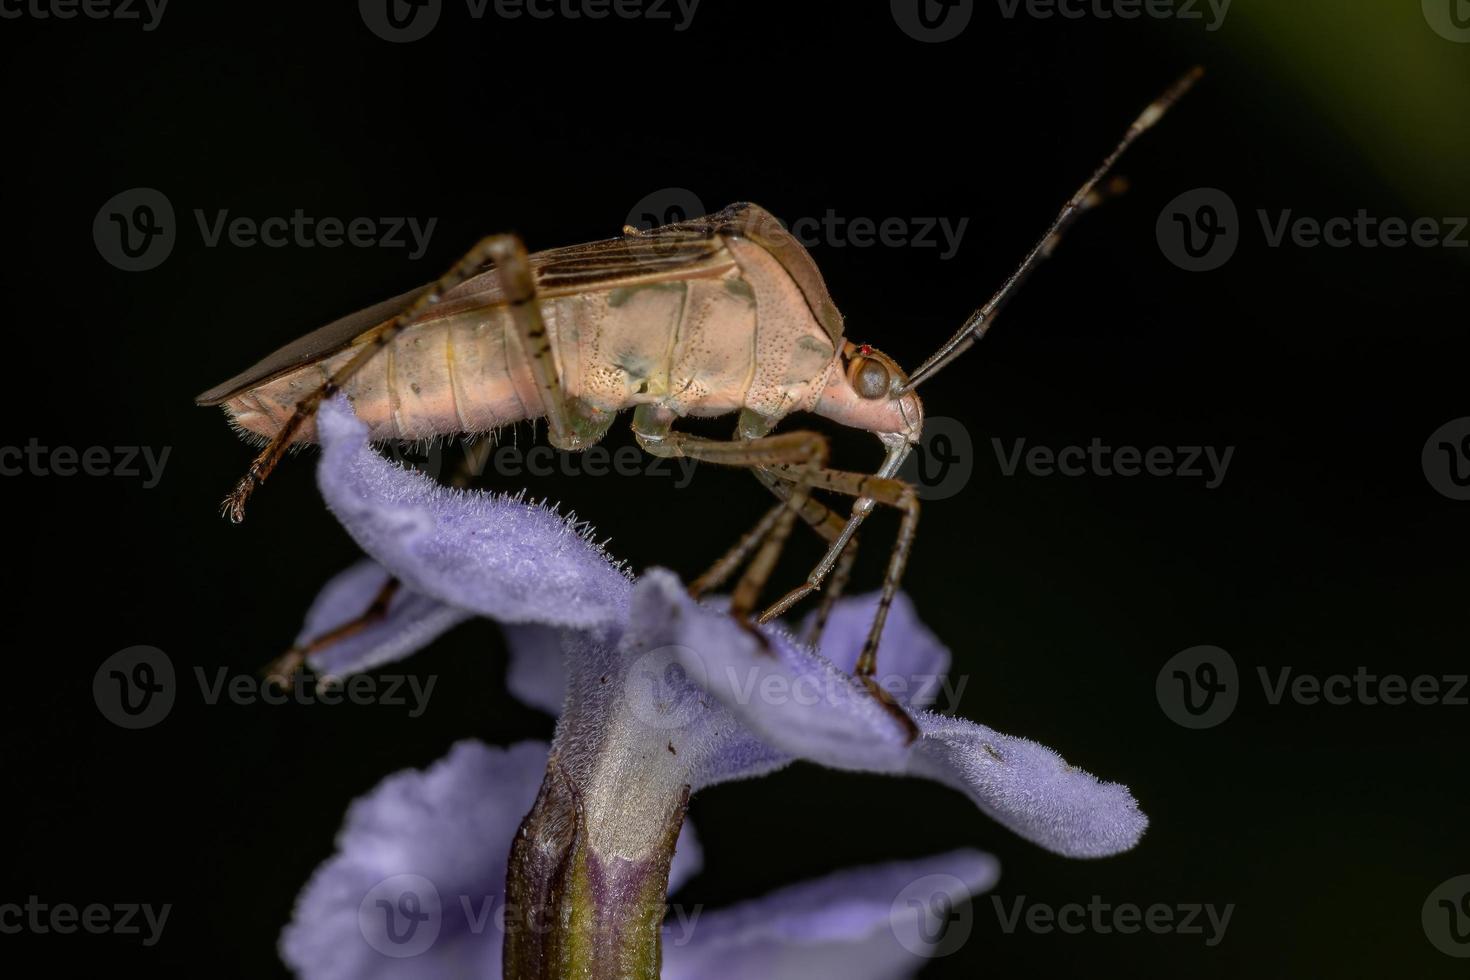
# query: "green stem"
(578, 904)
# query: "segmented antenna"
(980, 321)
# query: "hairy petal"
(432, 844)
(422, 843)
(1029, 788)
(537, 674)
(489, 554)
(793, 699)
(876, 923)
(412, 621)
(911, 661)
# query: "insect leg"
(718, 573)
(284, 668)
(509, 256)
(836, 585)
(883, 490)
(796, 452)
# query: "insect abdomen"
(702, 346)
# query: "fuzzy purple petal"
(911, 660)
(1029, 788)
(413, 621)
(429, 843)
(438, 838)
(537, 673)
(794, 700)
(877, 923)
(494, 555)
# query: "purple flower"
(417, 890)
(655, 692)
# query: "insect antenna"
(980, 321)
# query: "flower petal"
(1029, 788)
(418, 881)
(911, 660)
(412, 622)
(537, 674)
(494, 555)
(433, 845)
(874, 923)
(796, 701)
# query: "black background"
(1324, 549)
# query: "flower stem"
(575, 905)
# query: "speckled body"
(732, 332)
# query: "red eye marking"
(865, 349)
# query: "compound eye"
(870, 378)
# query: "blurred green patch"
(1386, 74)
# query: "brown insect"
(716, 315)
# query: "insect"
(711, 316)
